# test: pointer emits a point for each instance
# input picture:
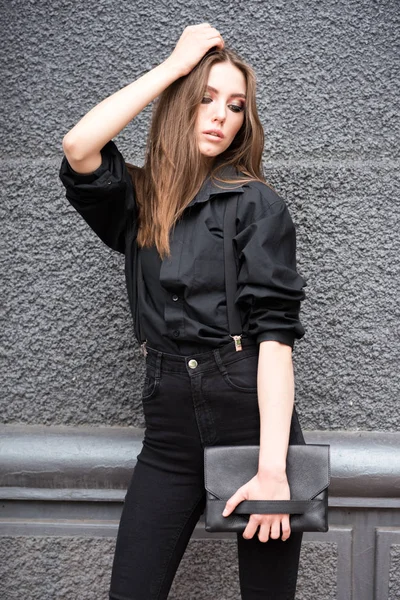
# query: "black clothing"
(184, 308)
(198, 390)
(191, 402)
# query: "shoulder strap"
(234, 321)
(139, 295)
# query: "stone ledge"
(95, 464)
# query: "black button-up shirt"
(182, 308)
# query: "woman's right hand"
(194, 42)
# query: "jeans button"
(192, 363)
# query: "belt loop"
(218, 360)
(158, 365)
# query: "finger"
(212, 31)
(265, 527)
(233, 502)
(218, 41)
(276, 528)
(200, 27)
(285, 524)
(252, 526)
(265, 531)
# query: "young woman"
(202, 387)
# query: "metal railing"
(49, 471)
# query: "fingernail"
(225, 512)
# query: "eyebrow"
(212, 89)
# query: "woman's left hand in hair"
(274, 487)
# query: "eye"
(236, 107)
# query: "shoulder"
(134, 171)
(257, 201)
(261, 192)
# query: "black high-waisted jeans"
(190, 402)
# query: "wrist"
(276, 472)
(174, 69)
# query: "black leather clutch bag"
(227, 468)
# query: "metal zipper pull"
(143, 346)
(238, 342)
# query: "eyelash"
(239, 107)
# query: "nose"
(220, 113)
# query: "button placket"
(170, 279)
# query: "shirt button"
(175, 297)
(192, 363)
(109, 182)
(176, 333)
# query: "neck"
(206, 165)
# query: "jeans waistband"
(200, 362)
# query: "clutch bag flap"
(227, 468)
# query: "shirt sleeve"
(104, 198)
(269, 288)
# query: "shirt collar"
(210, 187)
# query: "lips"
(215, 133)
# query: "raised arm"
(83, 143)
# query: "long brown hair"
(174, 168)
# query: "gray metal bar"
(96, 463)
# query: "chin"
(211, 153)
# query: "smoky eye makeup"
(237, 107)
(234, 107)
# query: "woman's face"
(221, 110)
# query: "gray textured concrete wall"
(394, 573)
(328, 90)
(50, 568)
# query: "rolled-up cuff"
(284, 337)
(77, 178)
(86, 177)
